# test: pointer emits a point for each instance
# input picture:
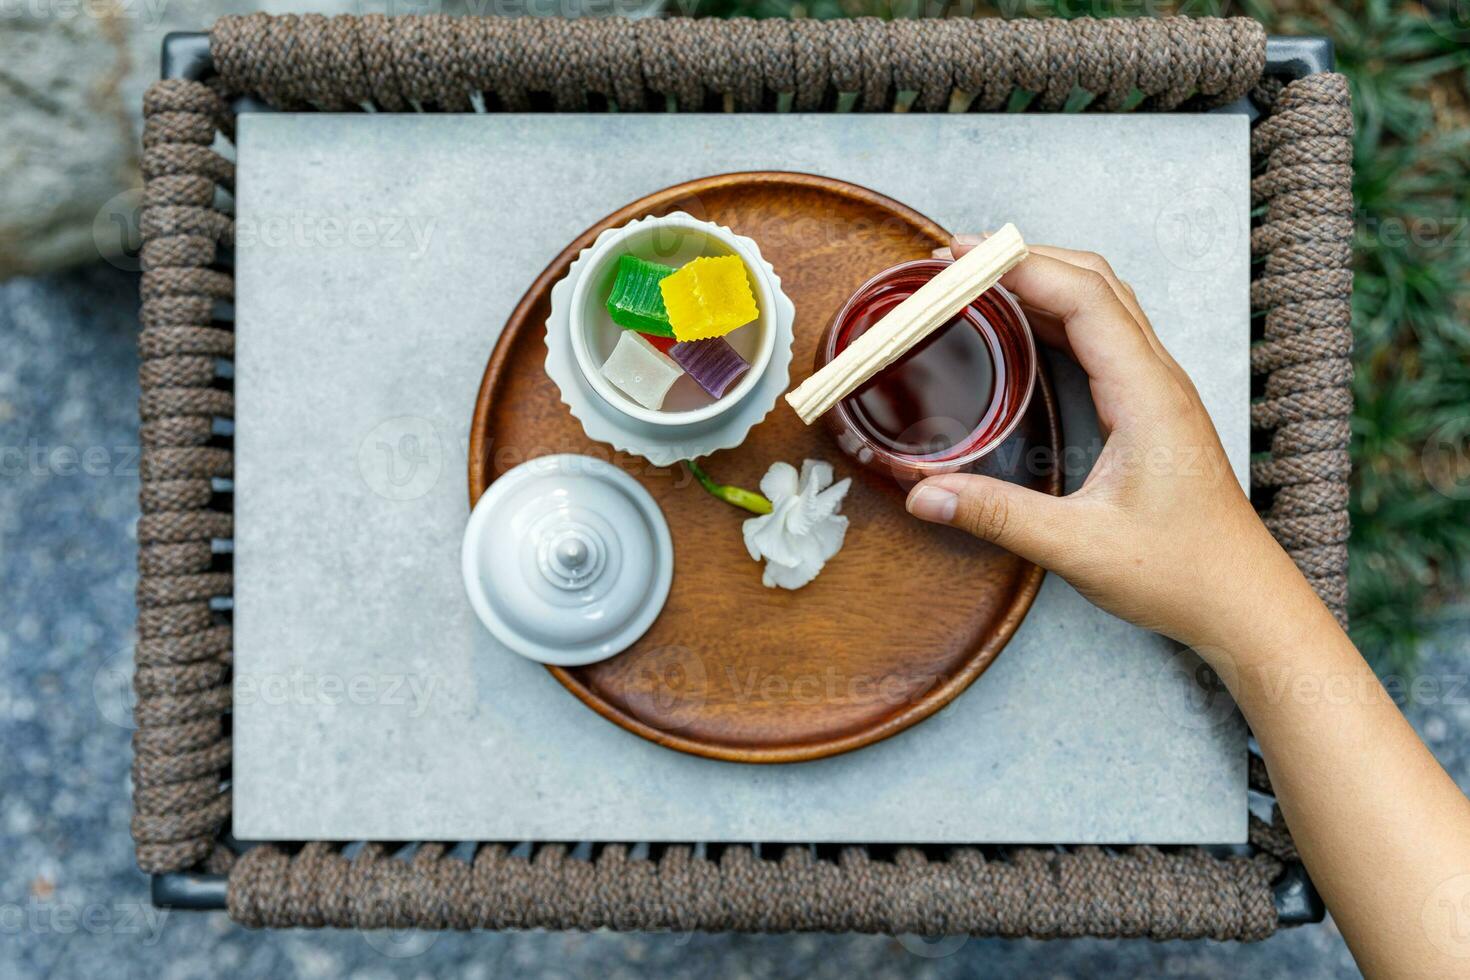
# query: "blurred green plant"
(1409, 68)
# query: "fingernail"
(933, 504)
(941, 253)
(971, 239)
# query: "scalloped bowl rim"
(604, 250)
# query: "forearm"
(1179, 549)
(1379, 824)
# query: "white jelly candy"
(640, 370)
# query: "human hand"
(1160, 533)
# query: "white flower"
(803, 529)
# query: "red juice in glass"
(947, 402)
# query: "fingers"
(1124, 292)
(1100, 265)
(1026, 522)
(1104, 336)
(1090, 261)
(1047, 328)
(961, 244)
(958, 245)
(1086, 310)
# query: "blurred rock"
(67, 142)
(72, 78)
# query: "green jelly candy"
(636, 303)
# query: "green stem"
(744, 499)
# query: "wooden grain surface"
(902, 620)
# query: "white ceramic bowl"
(661, 444)
(670, 240)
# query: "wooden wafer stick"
(930, 307)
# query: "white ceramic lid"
(567, 559)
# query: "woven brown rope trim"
(183, 652)
(1141, 891)
(1303, 151)
(439, 63)
(182, 681)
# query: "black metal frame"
(186, 55)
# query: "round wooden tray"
(899, 623)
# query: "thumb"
(1027, 522)
(960, 244)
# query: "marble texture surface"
(378, 259)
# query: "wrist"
(1260, 611)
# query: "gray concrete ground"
(72, 903)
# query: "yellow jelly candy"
(708, 297)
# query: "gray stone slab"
(380, 256)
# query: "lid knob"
(573, 552)
(572, 555)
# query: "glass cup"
(950, 400)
